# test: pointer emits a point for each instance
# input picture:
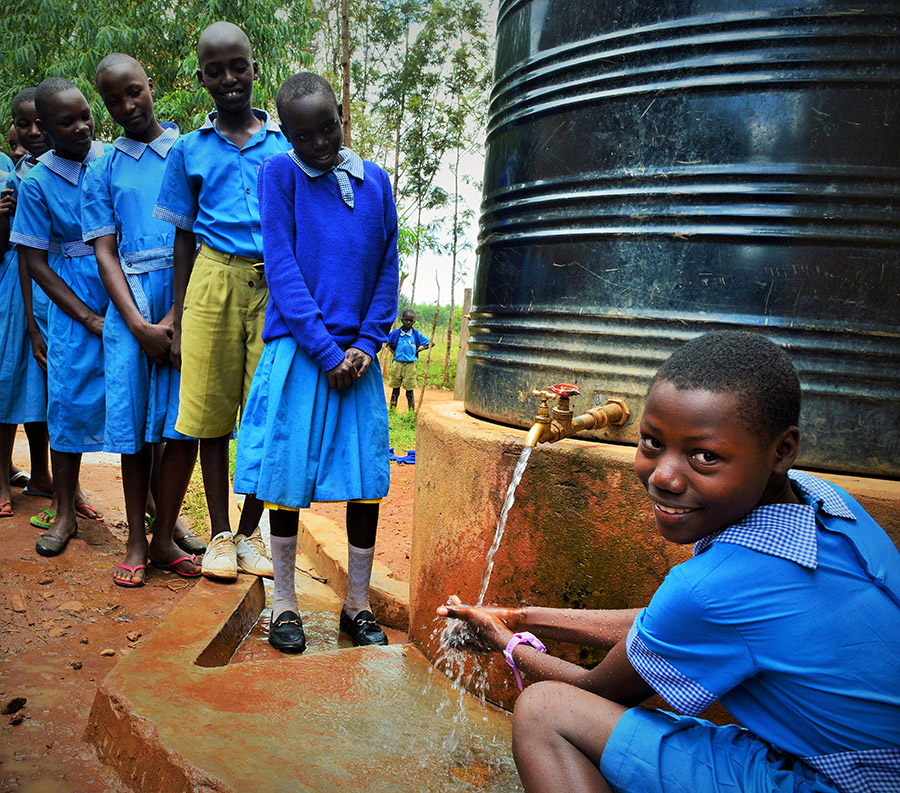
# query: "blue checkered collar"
(161, 144)
(785, 530)
(24, 165)
(351, 163)
(268, 124)
(70, 170)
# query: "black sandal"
(52, 544)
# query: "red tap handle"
(564, 389)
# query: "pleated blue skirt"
(23, 385)
(141, 396)
(301, 441)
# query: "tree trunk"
(437, 308)
(345, 70)
(415, 273)
(453, 266)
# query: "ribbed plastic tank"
(656, 170)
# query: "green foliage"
(62, 37)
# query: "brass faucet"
(550, 426)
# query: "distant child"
(16, 150)
(47, 229)
(209, 193)
(134, 254)
(315, 427)
(405, 344)
(789, 612)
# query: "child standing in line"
(23, 390)
(209, 192)
(48, 224)
(315, 427)
(789, 612)
(16, 150)
(134, 254)
(405, 344)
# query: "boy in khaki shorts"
(405, 344)
(209, 193)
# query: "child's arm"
(376, 325)
(7, 210)
(38, 345)
(153, 338)
(58, 290)
(287, 286)
(184, 253)
(613, 678)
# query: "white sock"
(359, 573)
(284, 557)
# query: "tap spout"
(550, 427)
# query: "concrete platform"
(193, 710)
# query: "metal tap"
(561, 422)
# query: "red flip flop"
(130, 584)
(87, 512)
(6, 510)
(173, 566)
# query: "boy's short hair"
(757, 371)
(300, 85)
(117, 59)
(50, 87)
(25, 95)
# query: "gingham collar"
(24, 165)
(785, 530)
(70, 170)
(268, 124)
(350, 162)
(161, 144)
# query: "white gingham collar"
(351, 163)
(161, 144)
(785, 530)
(70, 170)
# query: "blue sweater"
(332, 271)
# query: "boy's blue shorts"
(653, 751)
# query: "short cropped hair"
(757, 371)
(116, 59)
(26, 95)
(300, 85)
(50, 87)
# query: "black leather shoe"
(286, 633)
(363, 629)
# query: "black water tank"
(659, 169)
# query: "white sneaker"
(220, 559)
(252, 555)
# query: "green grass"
(402, 428)
(438, 352)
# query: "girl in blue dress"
(23, 387)
(315, 424)
(47, 227)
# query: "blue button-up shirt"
(209, 186)
(791, 617)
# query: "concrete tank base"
(580, 535)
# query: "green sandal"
(43, 520)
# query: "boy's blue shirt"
(22, 169)
(791, 617)
(405, 344)
(210, 186)
(48, 214)
(118, 196)
(6, 163)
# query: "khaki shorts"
(402, 373)
(221, 341)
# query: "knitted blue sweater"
(332, 271)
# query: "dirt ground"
(63, 624)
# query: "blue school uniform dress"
(331, 261)
(48, 217)
(790, 617)
(117, 197)
(23, 386)
(40, 303)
